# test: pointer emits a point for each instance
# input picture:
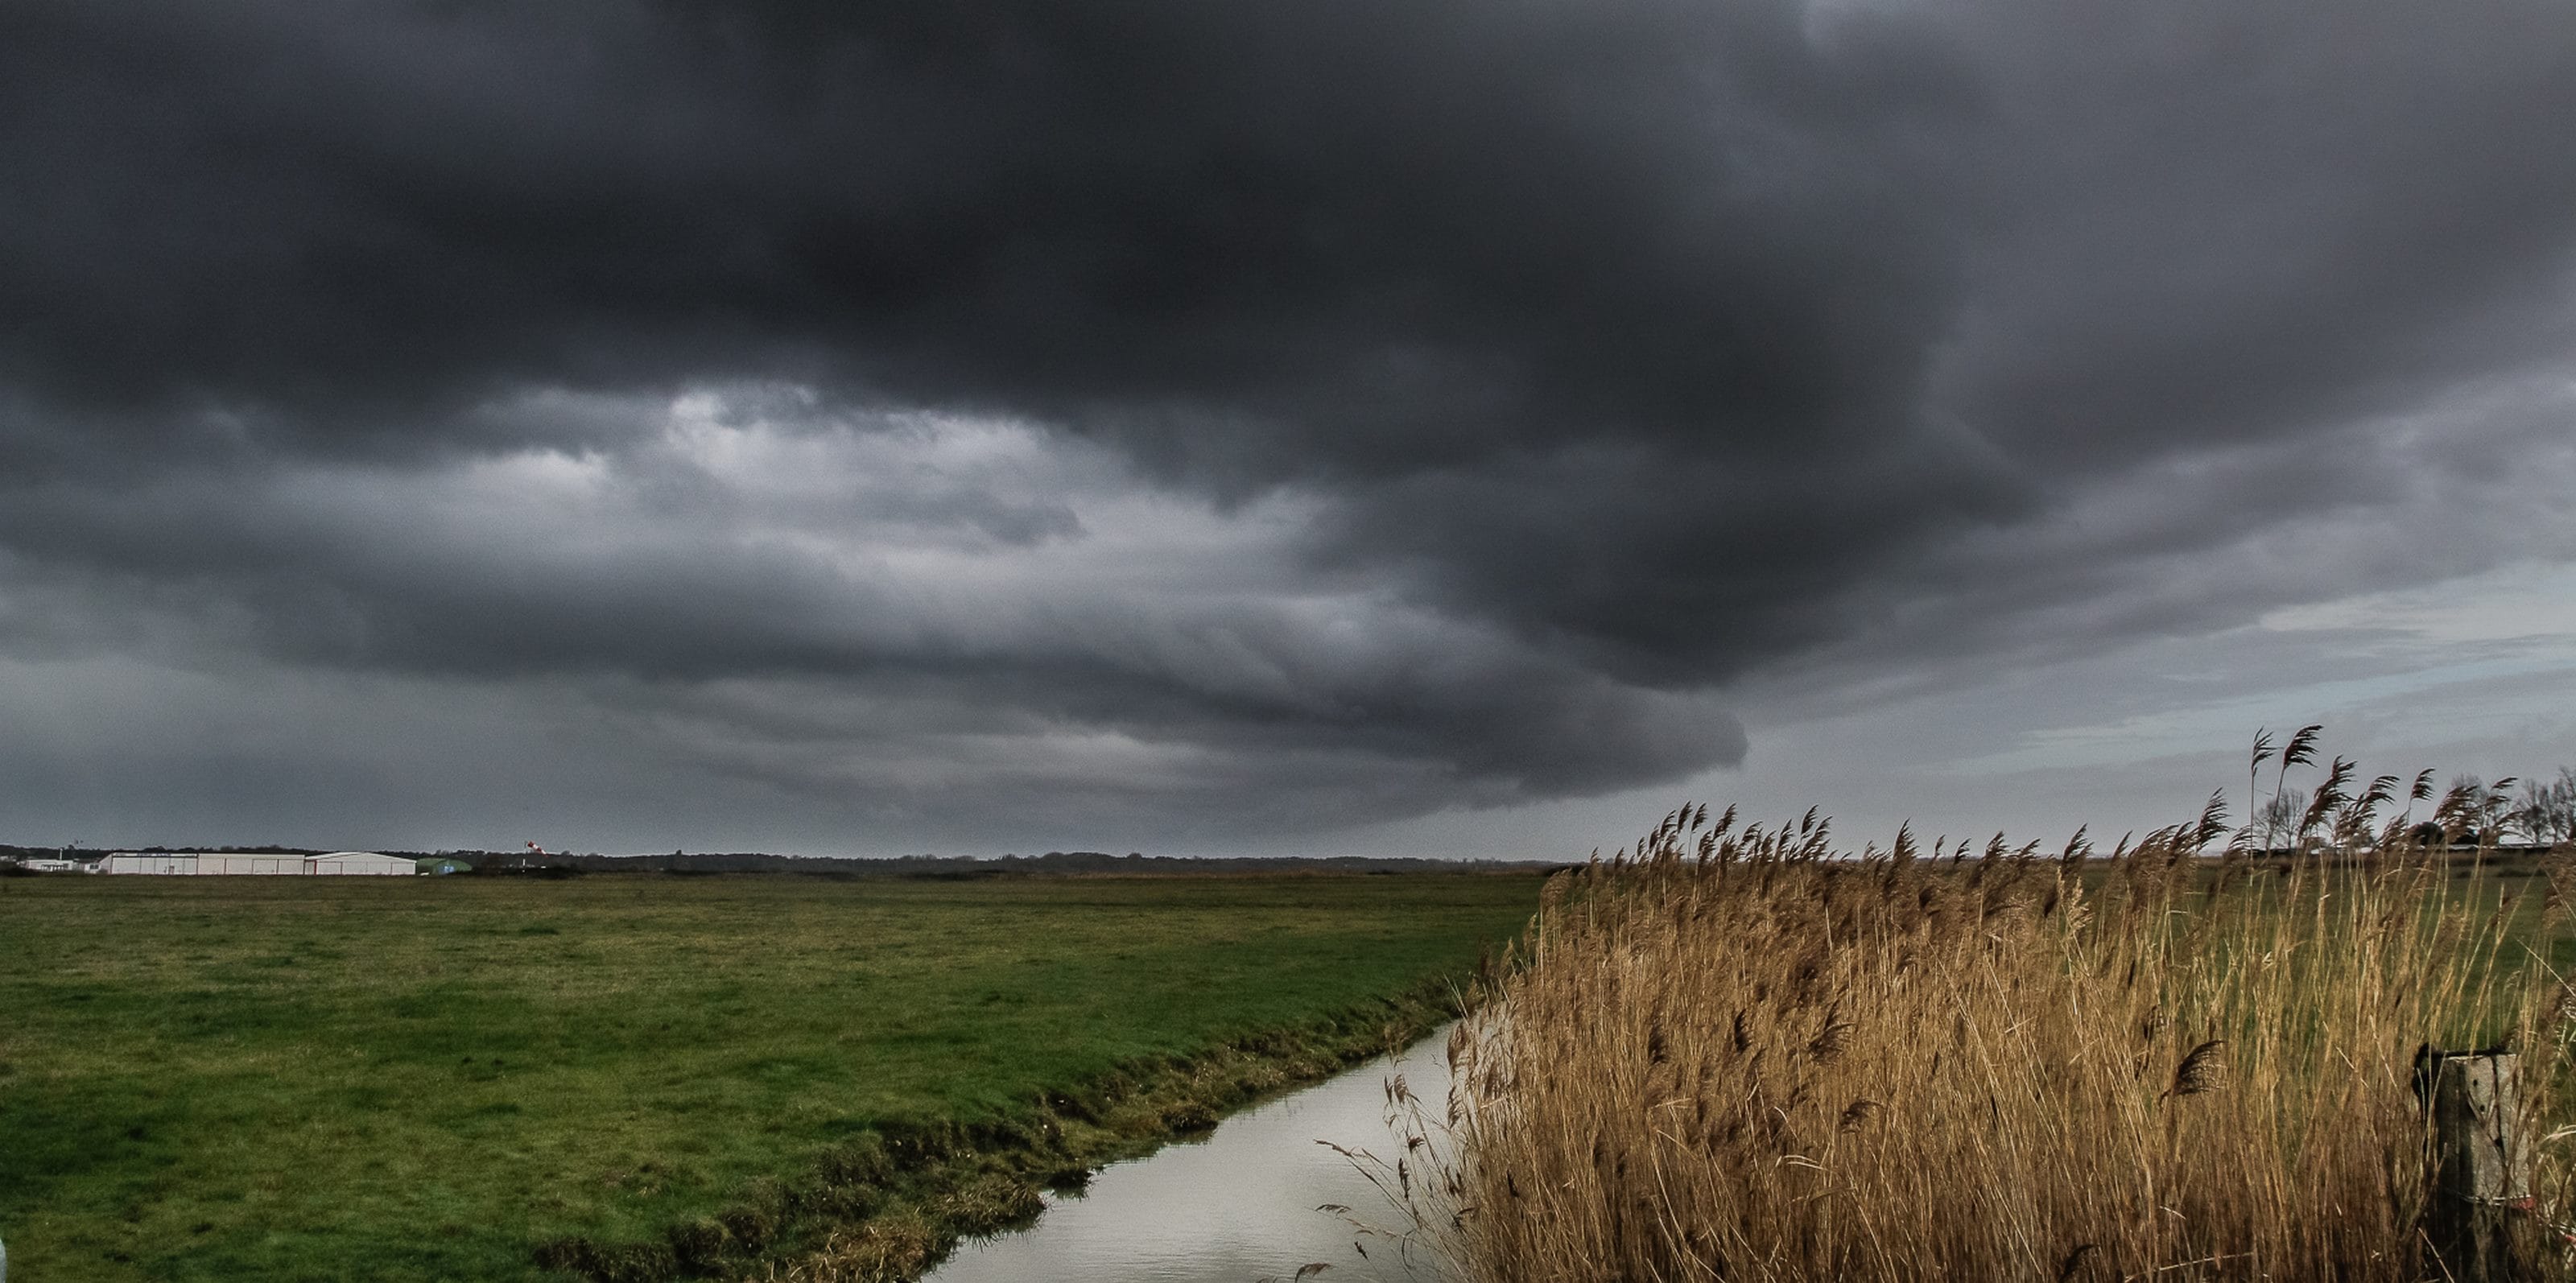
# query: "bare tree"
(2547, 812)
(2277, 824)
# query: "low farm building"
(362, 863)
(131, 862)
(249, 865)
(339, 863)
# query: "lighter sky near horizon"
(1318, 428)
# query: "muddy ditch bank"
(888, 1204)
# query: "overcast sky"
(1306, 427)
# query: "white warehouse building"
(362, 863)
(339, 863)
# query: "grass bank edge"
(806, 1012)
(889, 1203)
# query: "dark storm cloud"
(985, 592)
(2220, 221)
(1427, 401)
(1649, 218)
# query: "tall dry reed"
(1737, 1054)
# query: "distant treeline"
(940, 866)
(912, 866)
(86, 853)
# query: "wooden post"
(2479, 1215)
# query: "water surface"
(1238, 1207)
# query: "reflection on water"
(1241, 1206)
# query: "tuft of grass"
(882, 1251)
(990, 1204)
(1742, 1054)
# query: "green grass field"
(418, 1079)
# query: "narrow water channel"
(1238, 1207)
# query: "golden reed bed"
(1733, 1053)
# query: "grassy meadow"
(328, 1079)
(1741, 1054)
